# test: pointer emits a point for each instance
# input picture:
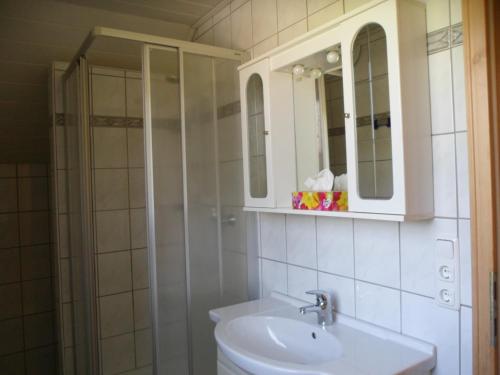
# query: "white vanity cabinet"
(352, 96)
(267, 134)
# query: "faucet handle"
(323, 298)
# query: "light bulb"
(333, 57)
(316, 73)
(298, 70)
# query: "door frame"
(482, 74)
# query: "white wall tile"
(456, 11)
(342, 290)
(465, 262)
(425, 320)
(37, 296)
(314, 5)
(290, 12)
(466, 341)
(301, 240)
(378, 305)
(34, 228)
(264, 19)
(235, 4)
(438, 14)
(221, 14)
(9, 230)
(418, 245)
(142, 311)
(33, 193)
(111, 189)
(114, 273)
(292, 32)
(137, 187)
(463, 176)
(135, 139)
(273, 236)
(8, 195)
(108, 95)
(300, 280)
(325, 15)
(222, 33)
(118, 354)
(134, 97)
(266, 45)
(116, 314)
(144, 349)
(113, 230)
(441, 92)
(376, 252)
(274, 277)
(38, 330)
(231, 178)
(140, 268)
(335, 245)
(110, 147)
(138, 229)
(353, 4)
(241, 27)
(445, 189)
(459, 104)
(9, 266)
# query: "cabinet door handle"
(266, 132)
(347, 115)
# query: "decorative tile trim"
(457, 35)
(59, 119)
(444, 38)
(228, 109)
(108, 121)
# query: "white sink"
(287, 342)
(269, 337)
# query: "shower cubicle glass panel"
(165, 196)
(198, 188)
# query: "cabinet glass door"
(373, 114)
(256, 137)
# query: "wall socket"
(447, 273)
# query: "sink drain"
(313, 335)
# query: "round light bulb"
(333, 57)
(316, 73)
(298, 70)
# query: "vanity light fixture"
(316, 73)
(333, 57)
(298, 70)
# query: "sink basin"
(270, 337)
(267, 344)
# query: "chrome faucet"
(323, 307)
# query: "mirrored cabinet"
(351, 96)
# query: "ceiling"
(186, 12)
(34, 33)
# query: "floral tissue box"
(320, 200)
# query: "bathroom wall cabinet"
(351, 96)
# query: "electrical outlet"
(447, 277)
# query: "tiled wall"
(27, 339)
(381, 272)
(120, 220)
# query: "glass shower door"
(165, 201)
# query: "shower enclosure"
(154, 193)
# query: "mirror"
(319, 115)
(256, 137)
(372, 113)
